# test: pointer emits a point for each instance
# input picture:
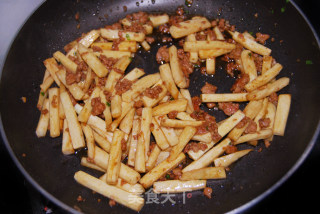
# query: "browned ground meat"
(140, 17)
(209, 89)
(209, 124)
(243, 122)
(123, 145)
(82, 66)
(173, 114)
(195, 147)
(80, 198)
(152, 144)
(201, 36)
(97, 106)
(135, 27)
(181, 42)
(166, 39)
(162, 55)
(107, 61)
(198, 114)
(164, 28)
(258, 61)
(273, 98)
(112, 202)
(138, 104)
(116, 42)
(123, 86)
(74, 77)
(223, 25)
(235, 53)
(267, 143)
(252, 127)
(177, 173)
(184, 62)
(139, 111)
(203, 129)
(151, 127)
(229, 108)
(210, 33)
(239, 84)
(118, 70)
(261, 38)
(211, 105)
(154, 92)
(214, 23)
(230, 58)
(150, 39)
(180, 11)
(108, 95)
(196, 102)
(115, 26)
(230, 149)
(207, 192)
(74, 59)
(203, 70)
(231, 68)
(264, 123)
(97, 49)
(180, 17)
(137, 21)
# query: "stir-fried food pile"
(140, 128)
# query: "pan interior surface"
(53, 25)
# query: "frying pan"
(250, 179)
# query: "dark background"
(297, 194)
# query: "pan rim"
(239, 209)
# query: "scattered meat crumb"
(24, 99)
(77, 16)
(207, 192)
(112, 202)
(80, 199)
(267, 143)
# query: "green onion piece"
(108, 104)
(128, 37)
(309, 62)
(42, 93)
(283, 9)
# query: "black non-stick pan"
(252, 178)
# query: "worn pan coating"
(251, 179)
